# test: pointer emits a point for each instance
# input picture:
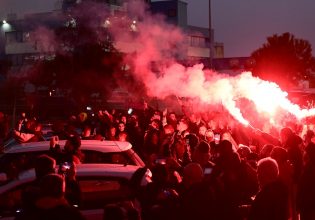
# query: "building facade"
(16, 45)
(201, 45)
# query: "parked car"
(22, 156)
(100, 184)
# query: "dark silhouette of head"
(267, 171)
(285, 134)
(192, 174)
(73, 143)
(280, 154)
(202, 154)
(310, 152)
(193, 141)
(44, 165)
(266, 150)
(225, 148)
(159, 174)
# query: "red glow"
(161, 43)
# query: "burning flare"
(163, 43)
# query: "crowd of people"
(204, 166)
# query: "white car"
(100, 184)
(22, 156)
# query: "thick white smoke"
(151, 41)
(161, 42)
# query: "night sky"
(242, 25)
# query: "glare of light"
(5, 25)
(133, 27)
(272, 121)
(268, 97)
(134, 21)
(106, 23)
(73, 22)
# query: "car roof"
(82, 170)
(97, 145)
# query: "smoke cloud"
(163, 43)
(153, 46)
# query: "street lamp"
(210, 37)
(5, 26)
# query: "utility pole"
(211, 47)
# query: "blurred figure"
(213, 140)
(167, 138)
(238, 178)
(31, 133)
(123, 119)
(71, 152)
(196, 197)
(271, 202)
(154, 124)
(159, 193)
(285, 175)
(38, 134)
(293, 144)
(21, 126)
(265, 151)
(202, 132)
(182, 127)
(87, 133)
(121, 127)
(151, 143)
(306, 189)
(123, 136)
(135, 133)
(4, 128)
(58, 128)
(73, 191)
(202, 157)
(44, 165)
(209, 136)
(180, 152)
(52, 204)
(195, 122)
(193, 141)
(308, 137)
(244, 151)
(111, 134)
(171, 119)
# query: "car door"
(11, 201)
(97, 192)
